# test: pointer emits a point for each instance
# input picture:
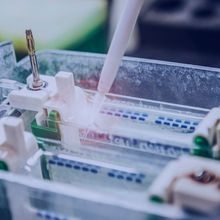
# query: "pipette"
(116, 51)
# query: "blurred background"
(186, 31)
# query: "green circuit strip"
(156, 199)
(3, 166)
(201, 152)
(44, 170)
(49, 131)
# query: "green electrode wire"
(3, 166)
(201, 142)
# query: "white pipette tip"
(119, 44)
(98, 101)
(97, 104)
(116, 51)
